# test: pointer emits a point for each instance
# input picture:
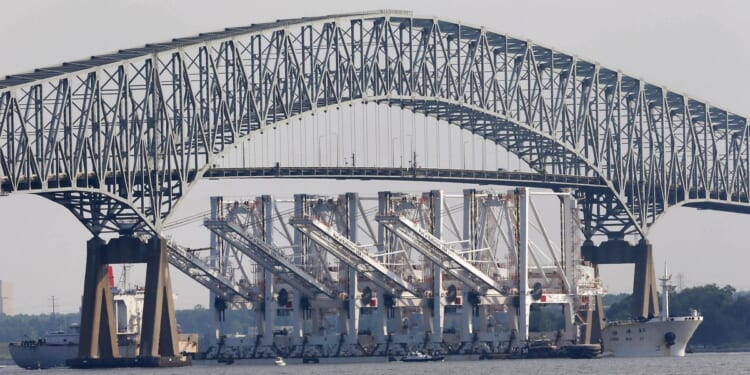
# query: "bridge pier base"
(592, 331)
(645, 298)
(98, 339)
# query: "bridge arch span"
(143, 124)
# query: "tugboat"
(656, 337)
(417, 356)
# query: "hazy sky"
(698, 48)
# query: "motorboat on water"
(663, 336)
(418, 356)
(279, 361)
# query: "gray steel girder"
(439, 253)
(270, 258)
(351, 254)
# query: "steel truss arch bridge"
(118, 139)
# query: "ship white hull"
(651, 338)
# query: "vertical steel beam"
(438, 304)
(270, 305)
(381, 319)
(298, 251)
(469, 238)
(524, 301)
(571, 256)
(214, 254)
(352, 200)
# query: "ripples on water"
(725, 363)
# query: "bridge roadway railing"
(500, 177)
(353, 255)
(438, 252)
(269, 257)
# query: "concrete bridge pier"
(645, 297)
(98, 337)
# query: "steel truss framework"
(119, 138)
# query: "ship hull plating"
(655, 338)
(42, 356)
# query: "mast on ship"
(665, 292)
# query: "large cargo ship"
(657, 337)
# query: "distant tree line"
(23, 327)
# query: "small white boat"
(279, 361)
(417, 356)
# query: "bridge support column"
(159, 333)
(159, 339)
(645, 298)
(594, 322)
(98, 337)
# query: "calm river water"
(724, 363)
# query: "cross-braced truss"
(119, 138)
